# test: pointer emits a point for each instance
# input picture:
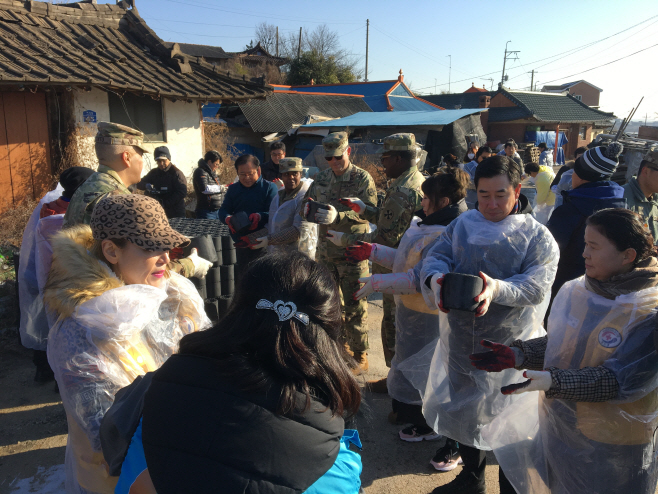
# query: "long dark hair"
(256, 350)
(626, 230)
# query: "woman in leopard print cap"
(121, 313)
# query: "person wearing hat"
(121, 313)
(34, 263)
(119, 150)
(285, 229)
(641, 192)
(166, 184)
(592, 190)
(402, 200)
(343, 179)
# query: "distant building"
(474, 89)
(215, 55)
(581, 90)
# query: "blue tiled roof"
(397, 118)
(374, 94)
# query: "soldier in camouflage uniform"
(119, 150)
(343, 179)
(402, 200)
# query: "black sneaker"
(44, 375)
(447, 458)
(465, 483)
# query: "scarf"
(643, 275)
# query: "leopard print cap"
(137, 218)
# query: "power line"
(207, 23)
(205, 35)
(270, 16)
(570, 52)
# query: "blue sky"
(417, 37)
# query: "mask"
(470, 156)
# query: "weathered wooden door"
(25, 166)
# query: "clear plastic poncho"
(415, 324)
(560, 446)
(33, 325)
(107, 342)
(522, 255)
(286, 215)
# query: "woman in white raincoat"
(121, 313)
(286, 230)
(517, 259)
(592, 428)
(415, 323)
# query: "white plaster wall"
(183, 133)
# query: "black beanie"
(598, 163)
(72, 178)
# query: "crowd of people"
(477, 286)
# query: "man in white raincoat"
(286, 231)
(517, 259)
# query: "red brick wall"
(590, 96)
(501, 131)
(647, 132)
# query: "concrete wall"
(648, 132)
(182, 123)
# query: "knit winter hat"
(599, 163)
(72, 178)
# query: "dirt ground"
(33, 431)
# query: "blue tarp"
(548, 136)
(396, 119)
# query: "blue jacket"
(567, 224)
(254, 199)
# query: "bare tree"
(266, 35)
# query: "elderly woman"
(121, 313)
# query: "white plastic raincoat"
(34, 325)
(522, 255)
(561, 446)
(286, 215)
(415, 324)
(107, 334)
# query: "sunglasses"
(331, 158)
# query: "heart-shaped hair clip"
(284, 310)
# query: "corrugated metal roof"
(400, 118)
(279, 112)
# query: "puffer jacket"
(209, 192)
(107, 333)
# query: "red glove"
(254, 218)
(500, 357)
(511, 388)
(358, 252)
(440, 283)
(227, 220)
(354, 203)
(243, 243)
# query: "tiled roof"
(508, 113)
(550, 107)
(205, 51)
(457, 101)
(107, 46)
(280, 111)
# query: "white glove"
(326, 216)
(354, 203)
(383, 255)
(279, 183)
(201, 266)
(435, 285)
(537, 381)
(335, 237)
(489, 292)
(262, 243)
(393, 283)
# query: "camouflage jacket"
(106, 181)
(393, 218)
(328, 188)
(101, 183)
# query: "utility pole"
(277, 41)
(532, 80)
(449, 72)
(299, 48)
(502, 79)
(367, 35)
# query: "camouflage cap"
(652, 156)
(335, 144)
(399, 142)
(114, 133)
(290, 165)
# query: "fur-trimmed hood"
(75, 274)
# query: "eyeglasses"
(330, 158)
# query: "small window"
(141, 112)
(583, 133)
(578, 97)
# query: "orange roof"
(474, 89)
